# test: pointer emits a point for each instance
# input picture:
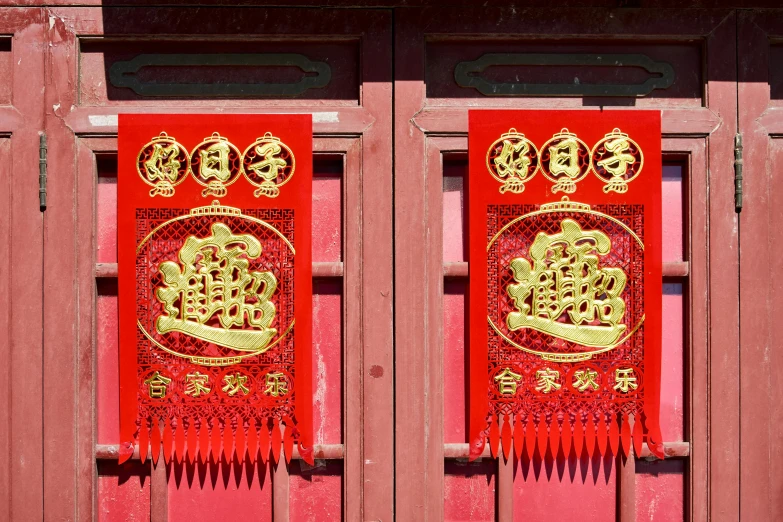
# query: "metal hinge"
(42, 171)
(738, 172)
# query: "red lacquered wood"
(368, 334)
(626, 488)
(724, 404)
(760, 364)
(21, 225)
(280, 490)
(505, 511)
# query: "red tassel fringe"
(620, 434)
(202, 439)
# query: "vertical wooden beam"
(21, 320)
(626, 488)
(724, 353)
(159, 492)
(505, 489)
(280, 491)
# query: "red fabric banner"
(565, 281)
(215, 286)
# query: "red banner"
(215, 286)
(565, 282)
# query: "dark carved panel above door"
(125, 74)
(468, 74)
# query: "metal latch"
(738, 172)
(42, 171)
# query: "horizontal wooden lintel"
(320, 452)
(672, 450)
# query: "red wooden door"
(334, 64)
(450, 60)
(21, 227)
(760, 53)
(390, 400)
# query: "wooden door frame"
(360, 134)
(704, 135)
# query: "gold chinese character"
(584, 379)
(276, 384)
(507, 381)
(268, 168)
(565, 293)
(564, 160)
(624, 380)
(213, 162)
(214, 280)
(197, 384)
(516, 162)
(163, 164)
(547, 380)
(235, 384)
(617, 164)
(157, 385)
(615, 160)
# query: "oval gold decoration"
(213, 284)
(566, 277)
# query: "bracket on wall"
(124, 74)
(467, 74)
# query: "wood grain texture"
(21, 228)
(760, 363)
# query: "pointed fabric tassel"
(625, 436)
(192, 441)
(215, 442)
(239, 440)
(579, 436)
(203, 440)
(168, 440)
(494, 436)
(306, 454)
(519, 437)
(144, 441)
(565, 435)
(288, 440)
(614, 435)
(654, 441)
(590, 436)
(228, 440)
(530, 436)
(505, 436)
(554, 437)
(263, 441)
(179, 442)
(542, 438)
(638, 434)
(276, 442)
(252, 441)
(155, 440)
(602, 436)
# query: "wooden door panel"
(761, 269)
(21, 241)
(342, 58)
(433, 98)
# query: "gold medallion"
(268, 164)
(512, 160)
(215, 163)
(565, 160)
(163, 163)
(617, 160)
